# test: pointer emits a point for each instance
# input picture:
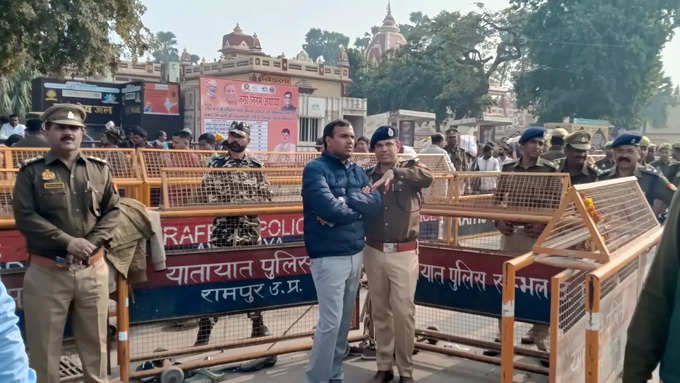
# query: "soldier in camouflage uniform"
(235, 187)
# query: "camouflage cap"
(65, 114)
(665, 146)
(579, 140)
(240, 129)
(676, 145)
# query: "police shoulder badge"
(48, 175)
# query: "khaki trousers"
(392, 280)
(52, 295)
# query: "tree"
(60, 36)
(593, 59)
(166, 47)
(324, 43)
(662, 98)
(195, 59)
(15, 92)
(446, 65)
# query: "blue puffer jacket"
(332, 191)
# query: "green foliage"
(166, 47)
(195, 59)
(80, 36)
(594, 59)
(446, 65)
(324, 43)
(15, 92)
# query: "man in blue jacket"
(337, 197)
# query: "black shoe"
(545, 363)
(527, 340)
(491, 352)
(382, 377)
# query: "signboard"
(271, 110)
(229, 281)
(473, 281)
(101, 100)
(316, 107)
(161, 99)
(195, 232)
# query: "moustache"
(67, 138)
(236, 147)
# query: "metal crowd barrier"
(465, 281)
(600, 234)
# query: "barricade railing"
(7, 177)
(153, 160)
(517, 197)
(592, 230)
(124, 164)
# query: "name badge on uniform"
(48, 175)
(53, 185)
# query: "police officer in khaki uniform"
(576, 162)
(66, 206)
(556, 151)
(644, 149)
(391, 257)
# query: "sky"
(281, 25)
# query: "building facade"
(322, 88)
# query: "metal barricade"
(153, 160)
(601, 228)
(124, 164)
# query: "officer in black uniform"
(652, 182)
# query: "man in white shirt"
(12, 127)
(487, 163)
(437, 147)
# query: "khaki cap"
(65, 114)
(579, 140)
(645, 142)
(559, 132)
